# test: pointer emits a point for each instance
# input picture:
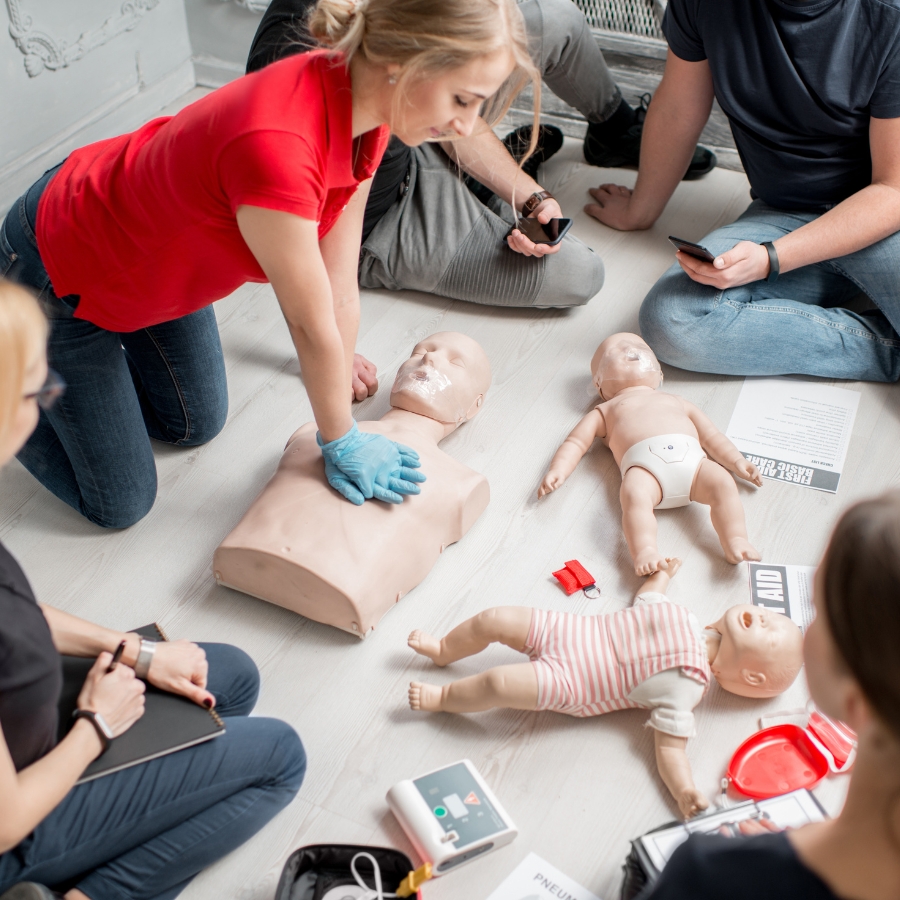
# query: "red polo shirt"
(142, 227)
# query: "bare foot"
(649, 561)
(426, 697)
(738, 549)
(426, 645)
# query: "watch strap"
(774, 268)
(104, 732)
(144, 658)
(534, 201)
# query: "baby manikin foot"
(426, 697)
(739, 549)
(426, 645)
(649, 561)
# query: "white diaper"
(673, 460)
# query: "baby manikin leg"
(508, 687)
(507, 625)
(715, 487)
(639, 495)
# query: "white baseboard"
(214, 72)
(121, 114)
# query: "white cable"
(376, 893)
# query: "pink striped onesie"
(588, 665)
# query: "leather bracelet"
(104, 732)
(144, 658)
(774, 268)
(534, 201)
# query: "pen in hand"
(116, 657)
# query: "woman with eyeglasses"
(130, 241)
(143, 832)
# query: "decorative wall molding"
(255, 6)
(41, 51)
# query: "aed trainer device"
(450, 816)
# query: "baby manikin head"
(622, 361)
(760, 652)
(445, 378)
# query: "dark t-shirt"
(30, 669)
(798, 82)
(283, 32)
(710, 867)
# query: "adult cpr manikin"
(302, 546)
(668, 451)
(651, 656)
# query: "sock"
(618, 123)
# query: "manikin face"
(446, 105)
(624, 360)
(760, 651)
(445, 378)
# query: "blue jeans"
(166, 382)
(146, 831)
(796, 325)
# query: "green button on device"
(440, 812)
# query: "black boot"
(604, 147)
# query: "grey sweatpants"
(440, 239)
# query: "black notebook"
(169, 723)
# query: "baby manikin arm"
(675, 771)
(719, 448)
(579, 441)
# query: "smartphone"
(551, 232)
(692, 249)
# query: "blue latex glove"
(360, 466)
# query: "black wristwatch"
(774, 267)
(104, 732)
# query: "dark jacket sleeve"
(282, 32)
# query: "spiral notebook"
(169, 723)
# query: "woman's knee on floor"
(233, 679)
(287, 760)
(123, 502)
(572, 277)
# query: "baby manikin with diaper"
(668, 451)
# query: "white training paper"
(535, 879)
(784, 589)
(787, 811)
(795, 431)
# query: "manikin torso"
(304, 547)
(638, 413)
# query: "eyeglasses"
(53, 388)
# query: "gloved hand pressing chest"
(360, 466)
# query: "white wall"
(75, 71)
(221, 32)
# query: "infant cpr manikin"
(302, 546)
(668, 451)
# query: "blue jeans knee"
(233, 679)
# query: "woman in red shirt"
(130, 241)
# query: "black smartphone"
(692, 249)
(551, 232)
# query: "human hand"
(747, 470)
(118, 696)
(360, 465)
(552, 481)
(365, 381)
(547, 210)
(613, 207)
(691, 802)
(746, 261)
(180, 667)
(758, 826)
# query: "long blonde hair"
(23, 331)
(424, 37)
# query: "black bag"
(311, 872)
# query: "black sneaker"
(28, 890)
(625, 150)
(549, 141)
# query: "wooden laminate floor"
(577, 789)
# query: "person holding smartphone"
(145, 831)
(807, 279)
(446, 217)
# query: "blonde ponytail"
(23, 332)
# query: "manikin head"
(760, 651)
(445, 378)
(622, 361)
